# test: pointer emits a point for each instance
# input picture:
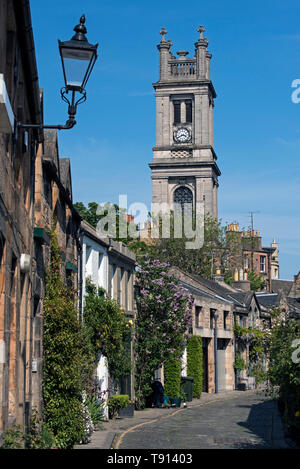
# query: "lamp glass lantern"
(78, 58)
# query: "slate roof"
(268, 299)
(65, 175)
(239, 298)
(284, 285)
(199, 291)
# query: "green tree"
(221, 249)
(257, 282)
(94, 213)
(163, 319)
(284, 368)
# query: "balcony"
(183, 68)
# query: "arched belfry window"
(183, 197)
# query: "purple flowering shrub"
(163, 319)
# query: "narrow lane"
(243, 422)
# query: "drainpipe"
(216, 352)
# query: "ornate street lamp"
(78, 58)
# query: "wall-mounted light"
(78, 58)
(25, 262)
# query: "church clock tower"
(184, 166)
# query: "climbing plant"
(194, 363)
(109, 332)
(256, 338)
(62, 366)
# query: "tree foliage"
(108, 332)
(257, 282)
(221, 249)
(163, 319)
(284, 368)
(116, 216)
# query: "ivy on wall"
(62, 342)
(194, 363)
(108, 331)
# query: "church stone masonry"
(184, 167)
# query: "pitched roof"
(65, 174)
(239, 298)
(284, 285)
(268, 299)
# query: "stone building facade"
(35, 187)
(252, 256)
(53, 207)
(109, 265)
(217, 308)
(184, 167)
(19, 100)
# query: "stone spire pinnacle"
(163, 32)
(201, 30)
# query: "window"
(47, 190)
(183, 196)
(177, 113)
(262, 263)
(225, 317)
(212, 315)
(188, 111)
(242, 320)
(246, 261)
(198, 316)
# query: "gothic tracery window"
(183, 197)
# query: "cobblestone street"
(245, 422)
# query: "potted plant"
(115, 403)
(127, 412)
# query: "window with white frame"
(262, 263)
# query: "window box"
(41, 235)
(70, 266)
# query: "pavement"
(249, 419)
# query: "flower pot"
(126, 412)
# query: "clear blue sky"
(256, 56)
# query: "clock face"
(182, 135)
